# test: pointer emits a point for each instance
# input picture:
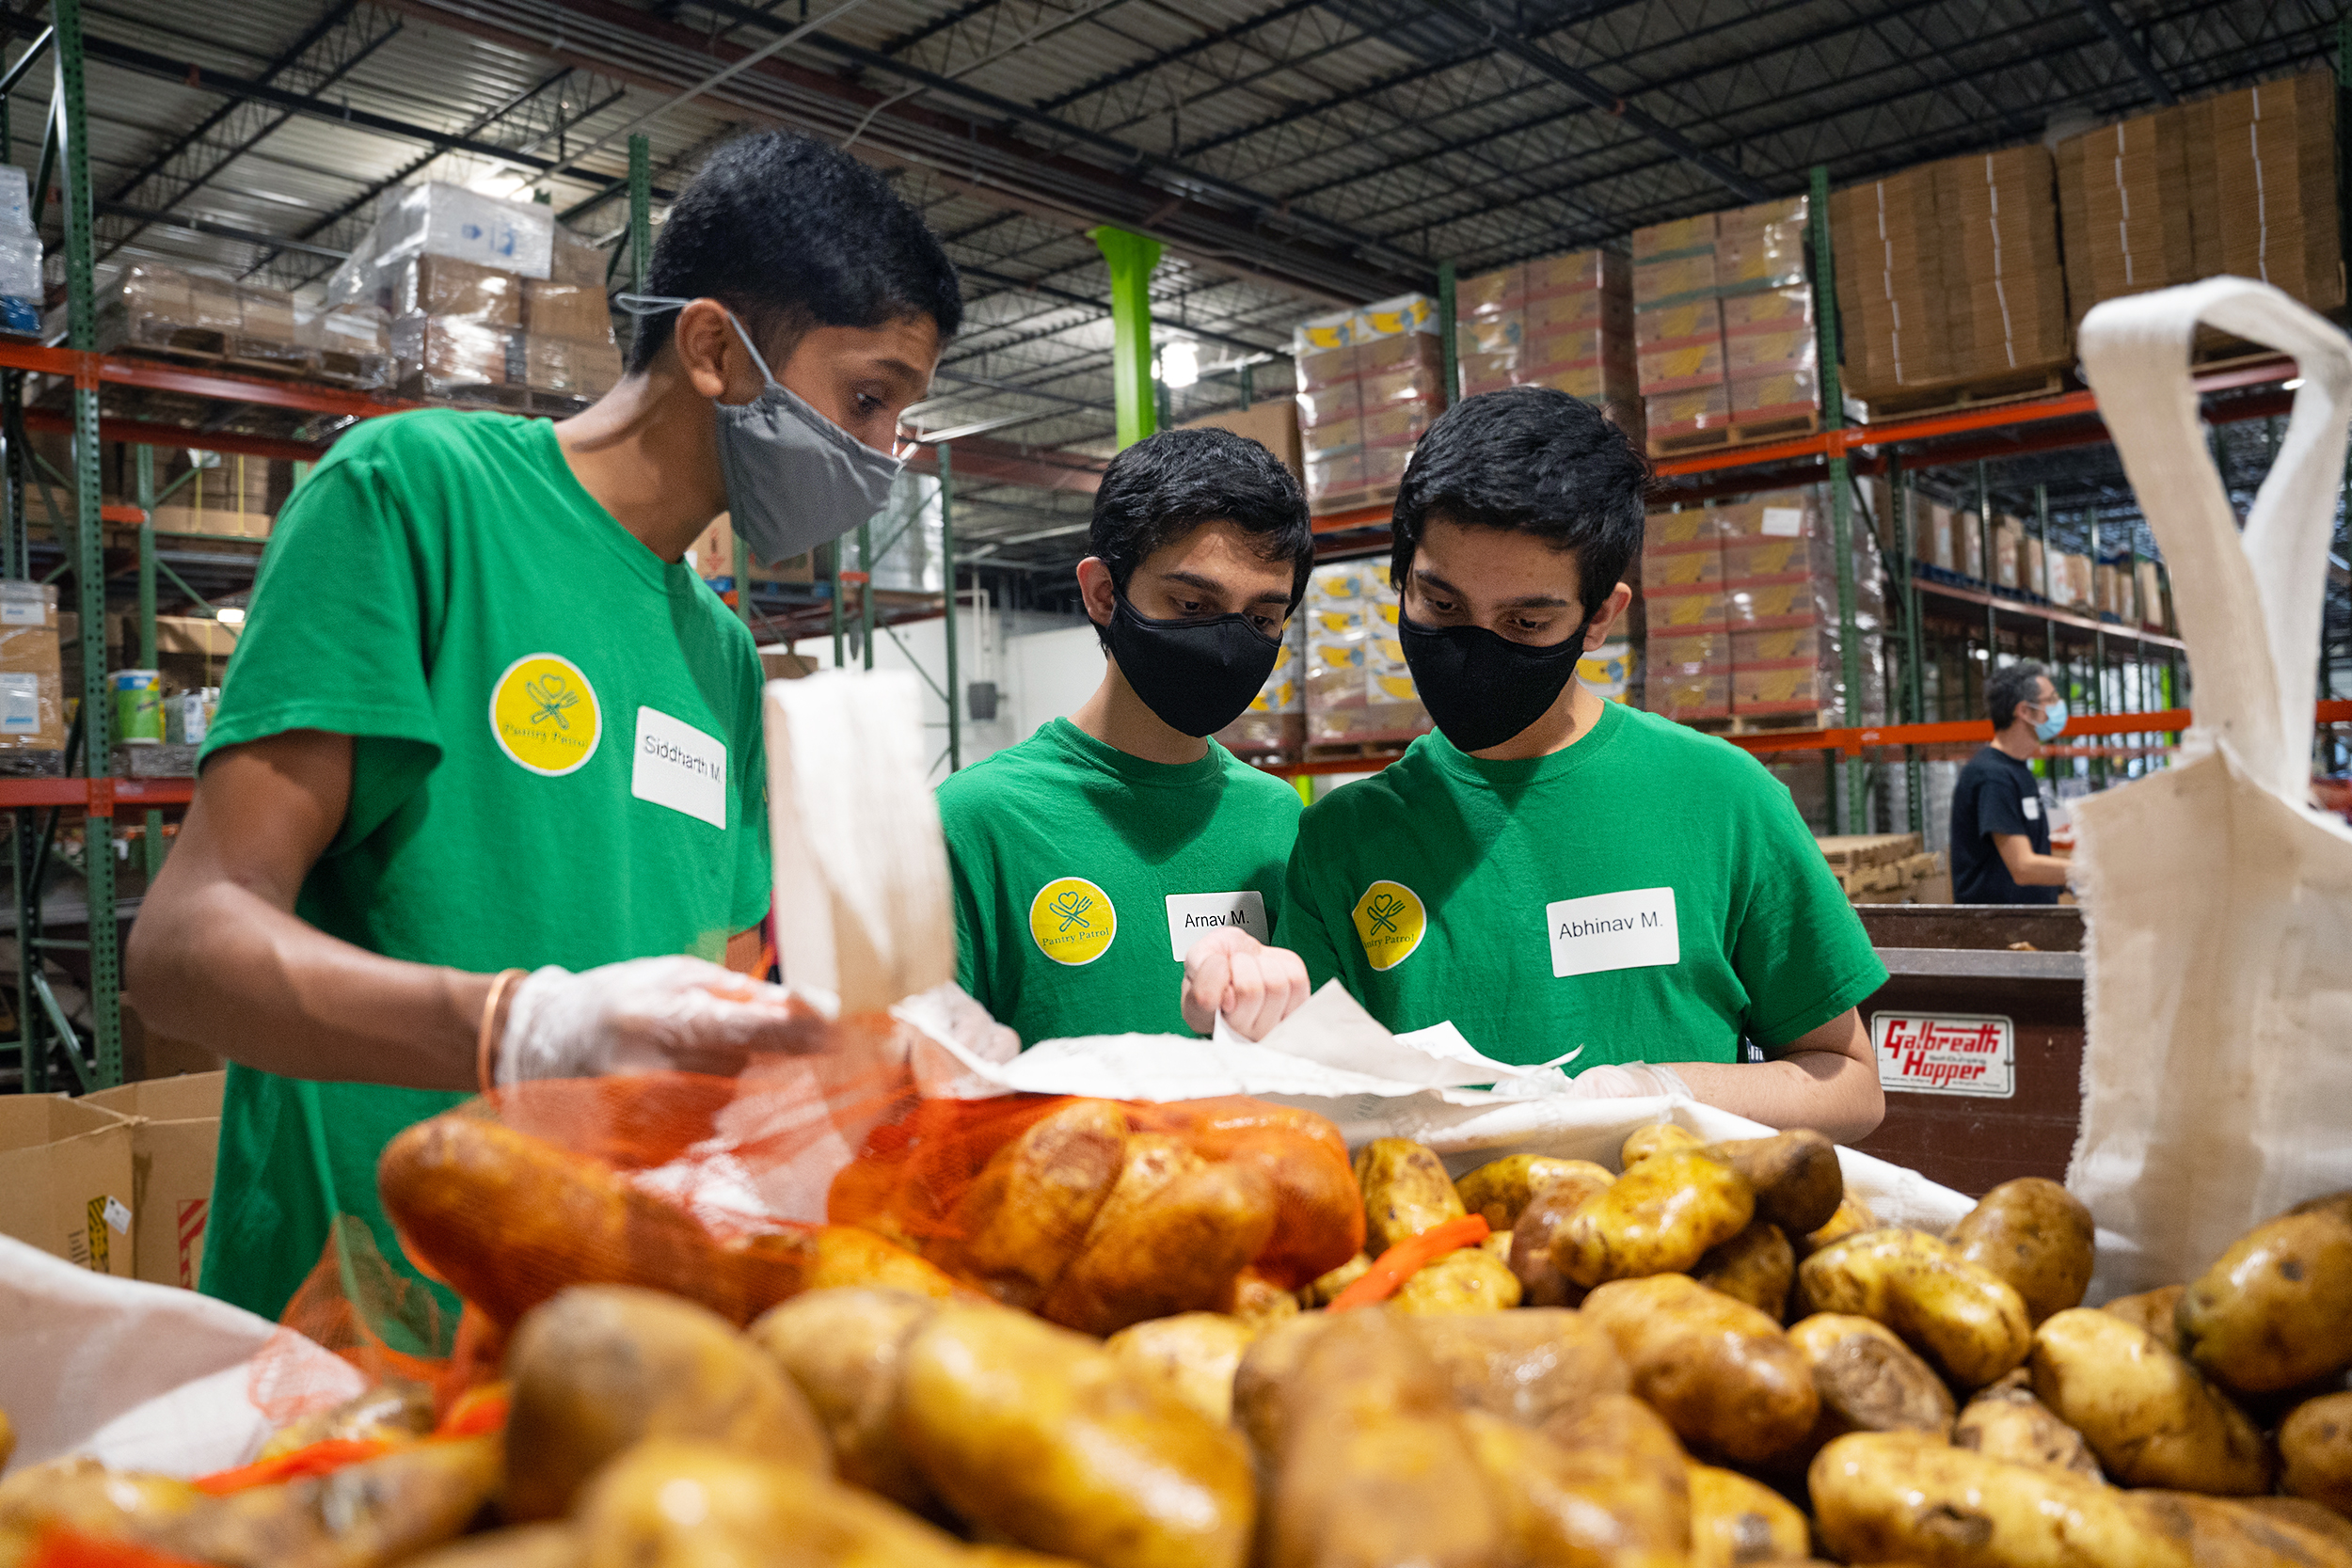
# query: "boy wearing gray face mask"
(485, 800)
(1119, 870)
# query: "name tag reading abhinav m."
(1194, 915)
(675, 765)
(1613, 930)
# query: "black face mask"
(1481, 689)
(1198, 675)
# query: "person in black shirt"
(2000, 834)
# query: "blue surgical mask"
(794, 479)
(2053, 720)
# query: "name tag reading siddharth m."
(678, 767)
(1613, 930)
(1194, 915)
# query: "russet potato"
(1522, 1365)
(1172, 1236)
(1756, 1266)
(2275, 1311)
(2315, 1443)
(2145, 1412)
(1969, 1325)
(2156, 1311)
(1405, 1190)
(1660, 1217)
(1868, 1379)
(1852, 1217)
(2036, 1236)
(1723, 1374)
(2006, 1421)
(1501, 1189)
(1026, 1215)
(1735, 1520)
(1662, 1138)
(1541, 1283)
(1326, 1288)
(1576, 1506)
(1795, 1176)
(843, 1350)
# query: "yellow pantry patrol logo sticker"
(545, 715)
(1390, 921)
(1073, 921)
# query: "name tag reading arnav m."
(1613, 930)
(677, 765)
(1194, 915)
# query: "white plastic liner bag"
(2217, 903)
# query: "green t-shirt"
(1082, 874)
(1649, 894)
(557, 762)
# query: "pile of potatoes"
(1715, 1357)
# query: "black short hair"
(791, 234)
(1531, 460)
(1166, 485)
(2007, 686)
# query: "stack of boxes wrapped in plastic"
(1564, 322)
(1948, 543)
(1741, 600)
(1356, 686)
(161, 310)
(1370, 381)
(487, 299)
(1275, 724)
(20, 255)
(1723, 325)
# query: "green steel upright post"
(2098, 650)
(1248, 385)
(1991, 574)
(1450, 385)
(640, 212)
(151, 840)
(1899, 536)
(947, 568)
(1131, 257)
(2049, 627)
(832, 573)
(865, 593)
(1841, 502)
(105, 958)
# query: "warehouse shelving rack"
(254, 415)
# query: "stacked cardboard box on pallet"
(1562, 322)
(32, 685)
(160, 309)
(1887, 868)
(2261, 175)
(1275, 724)
(1722, 324)
(1356, 686)
(1370, 381)
(1781, 606)
(1686, 661)
(2007, 298)
(2123, 198)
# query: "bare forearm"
(220, 966)
(2038, 871)
(1833, 1094)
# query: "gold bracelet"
(485, 1043)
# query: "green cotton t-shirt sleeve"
(1799, 949)
(338, 639)
(1303, 929)
(754, 872)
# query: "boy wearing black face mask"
(1119, 850)
(1556, 874)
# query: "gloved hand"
(643, 1015)
(1254, 986)
(1622, 1081)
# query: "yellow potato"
(1899, 1496)
(1265, 1376)
(2035, 1234)
(2006, 1421)
(843, 1350)
(1735, 1520)
(2316, 1441)
(1501, 1189)
(1406, 1192)
(1193, 1354)
(379, 1511)
(1795, 1176)
(1563, 1506)
(1522, 1365)
(598, 1367)
(1969, 1325)
(1662, 1138)
(681, 1503)
(1853, 1217)
(81, 1494)
(844, 1257)
(1257, 1301)
(1868, 1379)
(2147, 1415)
(1325, 1290)
(2275, 1311)
(1756, 1266)
(1468, 1280)
(1024, 1217)
(393, 1409)
(1621, 1442)
(1723, 1374)
(1660, 1217)
(1541, 1283)
(1044, 1438)
(1171, 1237)
(2157, 1311)
(522, 1546)
(2228, 1532)
(7, 1439)
(2304, 1514)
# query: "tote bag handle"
(2248, 604)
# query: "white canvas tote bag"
(2218, 904)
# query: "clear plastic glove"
(1628, 1079)
(644, 1015)
(1254, 986)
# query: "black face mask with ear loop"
(1482, 689)
(1198, 675)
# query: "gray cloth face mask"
(794, 479)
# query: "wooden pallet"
(1378, 749)
(1739, 433)
(1766, 723)
(512, 400)
(1978, 392)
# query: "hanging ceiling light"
(1180, 363)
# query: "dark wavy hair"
(1166, 485)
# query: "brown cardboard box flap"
(66, 1180)
(175, 1134)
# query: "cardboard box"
(2125, 222)
(573, 310)
(586, 368)
(175, 1130)
(66, 1180)
(447, 353)
(2008, 299)
(32, 684)
(1890, 283)
(2262, 185)
(457, 290)
(1273, 426)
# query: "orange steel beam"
(139, 433)
(100, 796)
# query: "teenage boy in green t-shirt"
(1119, 870)
(1555, 874)
(484, 796)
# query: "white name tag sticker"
(678, 767)
(1613, 930)
(2033, 807)
(1194, 915)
